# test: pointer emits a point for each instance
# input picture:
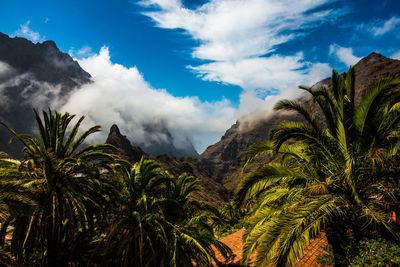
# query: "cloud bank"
(120, 95)
(238, 39)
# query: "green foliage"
(234, 218)
(372, 252)
(66, 204)
(61, 189)
(325, 176)
(366, 252)
(159, 224)
(326, 259)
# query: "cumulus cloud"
(26, 32)
(253, 107)
(238, 38)
(344, 54)
(396, 55)
(386, 26)
(84, 52)
(238, 29)
(120, 95)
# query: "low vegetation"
(65, 204)
(339, 175)
(70, 204)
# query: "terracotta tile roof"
(309, 257)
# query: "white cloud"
(38, 94)
(237, 29)
(344, 54)
(26, 32)
(84, 52)
(235, 35)
(396, 55)
(252, 107)
(120, 95)
(386, 26)
(5, 69)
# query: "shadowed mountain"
(32, 76)
(40, 76)
(160, 141)
(224, 158)
(213, 192)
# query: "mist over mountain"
(213, 192)
(224, 159)
(33, 76)
(220, 166)
(157, 125)
(40, 76)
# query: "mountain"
(160, 141)
(32, 76)
(40, 76)
(213, 192)
(224, 158)
(219, 166)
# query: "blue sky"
(226, 58)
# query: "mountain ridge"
(41, 72)
(224, 158)
(40, 76)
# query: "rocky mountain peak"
(36, 76)
(44, 61)
(114, 130)
(213, 192)
(225, 157)
(126, 150)
(49, 43)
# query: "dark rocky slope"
(41, 76)
(32, 76)
(224, 158)
(219, 167)
(213, 192)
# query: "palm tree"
(192, 225)
(137, 234)
(66, 185)
(325, 175)
(158, 223)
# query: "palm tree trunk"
(3, 231)
(336, 234)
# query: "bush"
(371, 252)
(368, 252)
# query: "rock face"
(213, 192)
(44, 61)
(224, 158)
(219, 167)
(126, 150)
(41, 76)
(32, 76)
(160, 141)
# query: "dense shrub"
(367, 252)
(371, 252)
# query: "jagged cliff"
(213, 192)
(40, 76)
(32, 76)
(224, 158)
